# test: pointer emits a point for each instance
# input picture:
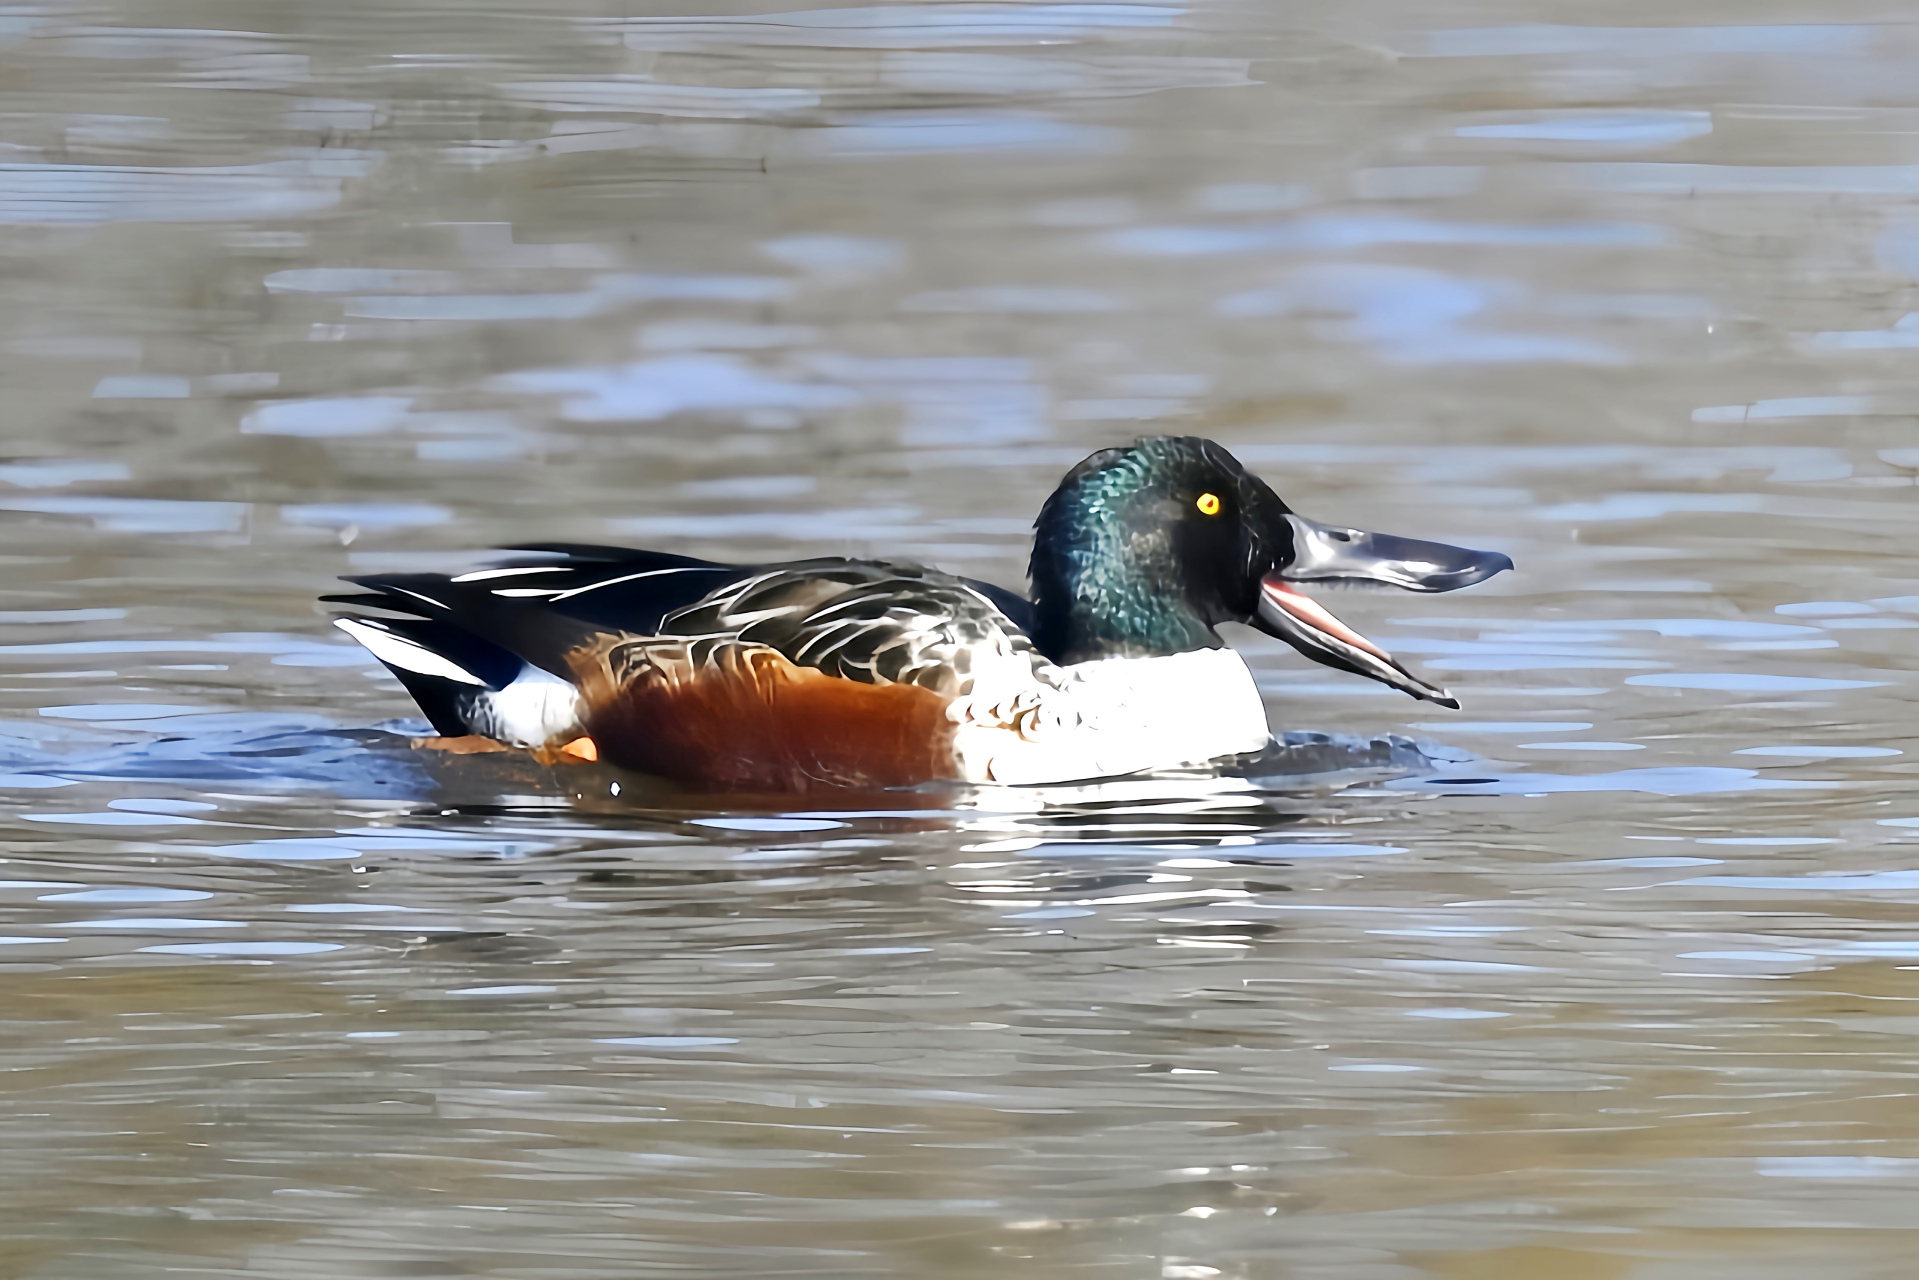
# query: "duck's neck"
(1106, 583)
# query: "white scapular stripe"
(487, 575)
(417, 596)
(650, 573)
(403, 653)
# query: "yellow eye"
(1208, 504)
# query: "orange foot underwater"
(580, 750)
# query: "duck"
(876, 674)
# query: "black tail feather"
(442, 701)
(447, 701)
(488, 662)
(538, 617)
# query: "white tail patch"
(536, 708)
(400, 652)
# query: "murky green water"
(1626, 992)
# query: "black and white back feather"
(867, 621)
(491, 651)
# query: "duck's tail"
(464, 684)
(446, 670)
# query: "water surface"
(1609, 990)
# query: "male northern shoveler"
(877, 674)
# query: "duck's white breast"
(1118, 716)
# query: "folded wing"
(748, 674)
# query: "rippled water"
(1602, 981)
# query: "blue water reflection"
(1633, 128)
(901, 27)
(1544, 39)
(1325, 232)
(1408, 314)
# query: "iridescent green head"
(1144, 551)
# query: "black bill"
(1331, 555)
